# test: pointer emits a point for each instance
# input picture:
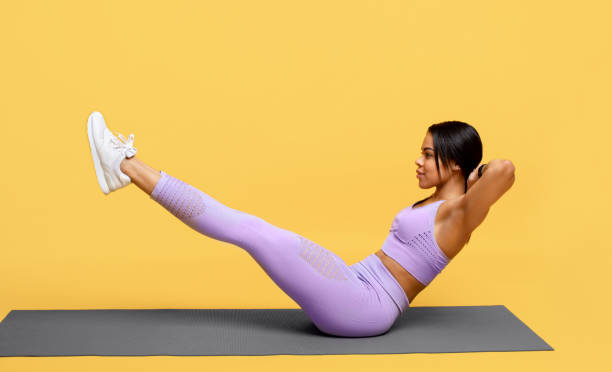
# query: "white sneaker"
(108, 152)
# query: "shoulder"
(451, 216)
(452, 208)
(451, 229)
(455, 216)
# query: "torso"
(448, 232)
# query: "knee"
(251, 222)
(254, 229)
(259, 232)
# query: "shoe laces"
(126, 145)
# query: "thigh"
(336, 297)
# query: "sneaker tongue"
(130, 152)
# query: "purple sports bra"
(411, 242)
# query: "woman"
(363, 299)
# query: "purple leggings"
(360, 300)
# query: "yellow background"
(310, 115)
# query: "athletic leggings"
(360, 300)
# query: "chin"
(425, 186)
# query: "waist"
(411, 286)
(419, 257)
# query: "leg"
(335, 296)
(141, 174)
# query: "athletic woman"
(359, 300)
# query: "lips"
(420, 173)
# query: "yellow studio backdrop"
(309, 114)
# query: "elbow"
(505, 169)
(503, 166)
(509, 166)
(510, 171)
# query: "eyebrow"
(427, 148)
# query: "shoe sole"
(96, 158)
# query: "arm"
(497, 178)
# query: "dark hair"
(458, 141)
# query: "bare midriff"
(409, 283)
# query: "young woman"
(363, 299)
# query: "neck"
(451, 189)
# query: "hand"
(473, 177)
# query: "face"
(426, 166)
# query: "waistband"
(387, 281)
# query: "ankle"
(126, 164)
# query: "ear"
(454, 167)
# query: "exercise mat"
(446, 329)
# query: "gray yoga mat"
(447, 329)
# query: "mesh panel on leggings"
(181, 199)
(321, 259)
